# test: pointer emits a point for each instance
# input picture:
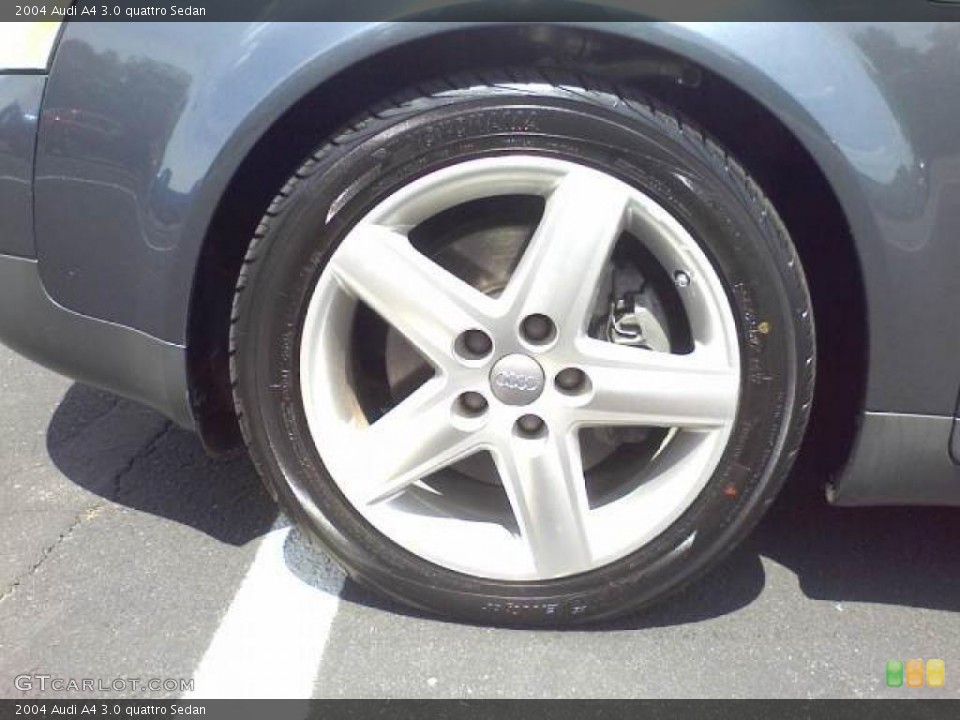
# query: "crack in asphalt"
(114, 403)
(143, 453)
(91, 512)
(87, 514)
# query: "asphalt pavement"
(127, 553)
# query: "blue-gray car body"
(133, 167)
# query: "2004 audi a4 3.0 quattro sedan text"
(521, 323)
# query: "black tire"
(587, 122)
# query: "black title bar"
(480, 10)
(107, 709)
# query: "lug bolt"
(681, 279)
(475, 344)
(473, 403)
(530, 425)
(570, 379)
(538, 328)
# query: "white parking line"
(271, 640)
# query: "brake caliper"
(631, 320)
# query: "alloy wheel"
(520, 375)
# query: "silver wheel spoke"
(646, 388)
(428, 305)
(559, 272)
(544, 481)
(411, 441)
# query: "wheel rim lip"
(327, 321)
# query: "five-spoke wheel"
(517, 375)
(523, 353)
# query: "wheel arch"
(670, 66)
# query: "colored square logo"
(936, 673)
(894, 673)
(914, 673)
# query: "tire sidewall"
(741, 237)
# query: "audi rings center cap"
(516, 379)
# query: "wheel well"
(773, 156)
